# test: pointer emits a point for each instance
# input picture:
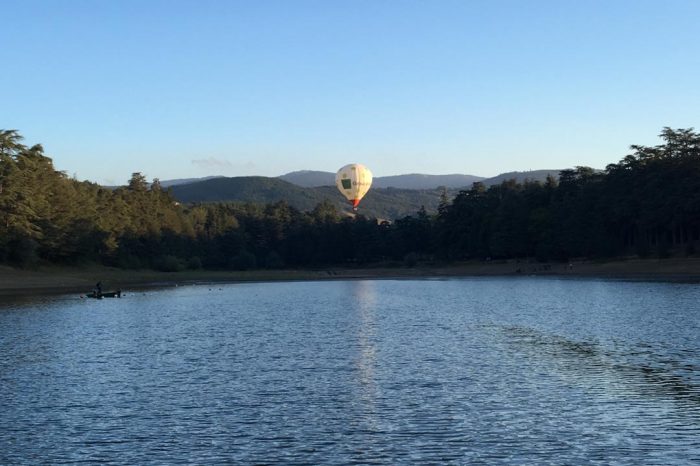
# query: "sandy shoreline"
(64, 280)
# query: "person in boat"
(98, 289)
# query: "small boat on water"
(107, 294)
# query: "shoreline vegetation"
(55, 280)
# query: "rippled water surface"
(463, 371)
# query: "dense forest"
(647, 204)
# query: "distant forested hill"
(420, 181)
(521, 177)
(255, 189)
(168, 183)
(381, 202)
(389, 203)
(310, 179)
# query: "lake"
(457, 371)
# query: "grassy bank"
(52, 279)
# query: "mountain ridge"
(386, 203)
(314, 178)
(381, 202)
(317, 178)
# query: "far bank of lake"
(55, 280)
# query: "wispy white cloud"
(212, 162)
(223, 166)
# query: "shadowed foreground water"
(473, 371)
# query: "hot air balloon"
(353, 182)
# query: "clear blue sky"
(192, 88)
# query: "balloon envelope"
(353, 182)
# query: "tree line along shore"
(646, 206)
